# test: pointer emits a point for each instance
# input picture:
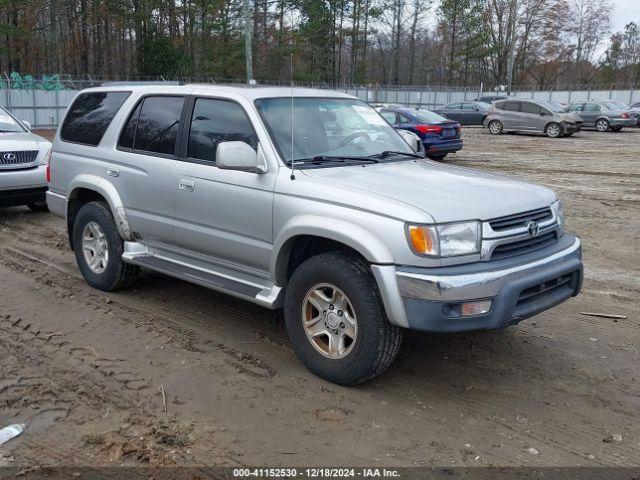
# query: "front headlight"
(559, 213)
(445, 240)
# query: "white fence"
(44, 108)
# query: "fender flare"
(107, 190)
(367, 244)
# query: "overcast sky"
(625, 11)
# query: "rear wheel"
(98, 248)
(495, 127)
(336, 320)
(553, 130)
(616, 129)
(437, 156)
(602, 125)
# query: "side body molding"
(354, 236)
(110, 193)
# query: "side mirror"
(26, 124)
(413, 140)
(239, 156)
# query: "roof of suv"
(249, 92)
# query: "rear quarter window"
(90, 115)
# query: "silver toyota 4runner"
(360, 239)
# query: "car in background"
(491, 98)
(532, 116)
(23, 159)
(635, 108)
(465, 113)
(439, 135)
(604, 116)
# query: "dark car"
(439, 135)
(466, 113)
(491, 98)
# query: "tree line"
(401, 42)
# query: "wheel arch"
(91, 188)
(311, 234)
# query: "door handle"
(113, 171)
(187, 185)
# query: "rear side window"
(214, 121)
(153, 125)
(500, 105)
(512, 106)
(531, 108)
(454, 106)
(389, 116)
(90, 115)
(591, 107)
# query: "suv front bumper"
(421, 298)
(20, 187)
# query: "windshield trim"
(300, 162)
(18, 122)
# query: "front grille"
(527, 245)
(531, 294)
(520, 219)
(18, 158)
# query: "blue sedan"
(439, 135)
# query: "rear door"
(531, 117)
(223, 216)
(590, 113)
(147, 150)
(511, 114)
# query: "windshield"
(327, 127)
(8, 123)
(553, 106)
(428, 116)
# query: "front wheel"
(553, 130)
(602, 125)
(98, 248)
(495, 127)
(336, 320)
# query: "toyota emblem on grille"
(10, 157)
(533, 228)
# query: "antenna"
(293, 176)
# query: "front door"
(223, 216)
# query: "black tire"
(38, 207)
(117, 274)
(553, 130)
(616, 129)
(377, 341)
(438, 156)
(495, 127)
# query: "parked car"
(491, 98)
(439, 135)
(22, 164)
(604, 116)
(532, 116)
(465, 113)
(635, 108)
(307, 200)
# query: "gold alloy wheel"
(329, 321)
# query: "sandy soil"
(171, 373)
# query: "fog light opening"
(470, 309)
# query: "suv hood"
(447, 193)
(14, 142)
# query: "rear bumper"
(623, 122)
(422, 298)
(445, 146)
(19, 187)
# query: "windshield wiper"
(336, 158)
(388, 153)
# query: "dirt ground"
(170, 373)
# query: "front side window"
(453, 106)
(90, 115)
(153, 125)
(469, 106)
(575, 107)
(591, 107)
(8, 124)
(214, 121)
(327, 127)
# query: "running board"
(253, 289)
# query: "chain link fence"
(43, 101)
